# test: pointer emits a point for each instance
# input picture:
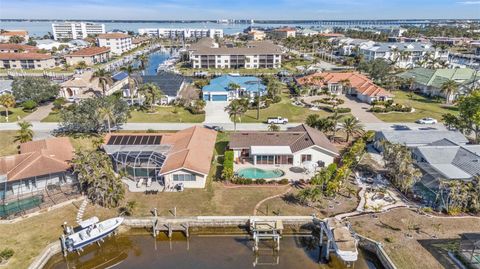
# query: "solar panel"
(144, 140)
(157, 140)
(135, 140)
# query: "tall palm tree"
(107, 113)
(151, 92)
(25, 133)
(7, 101)
(449, 88)
(132, 82)
(312, 120)
(235, 110)
(143, 58)
(104, 78)
(351, 126)
(335, 117)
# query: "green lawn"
(283, 109)
(13, 114)
(166, 114)
(54, 116)
(424, 107)
(7, 145)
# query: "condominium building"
(26, 60)
(76, 30)
(403, 55)
(117, 42)
(6, 35)
(282, 33)
(255, 54)
(181, 32)
(14, 48)
(90, 56)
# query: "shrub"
(343, 110)
(283, 181)
(29, 105)
(58, 103)
(389, 239)
(277, 99)
(227, 173)
(261, 181)
(243, 181)
(6, 253)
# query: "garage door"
(206, 97)
(219, 97)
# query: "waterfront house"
(282, 33)
(33, 176)
(220, 88)
(169, 83)
(206, 53)
(293, 147)
(16, 48)
(117, 42)
(91, 56)
(6, 35)
(82, 86)
(163, 160)
(430, 81)
(358, 85)
(417, 138)
(256, 35)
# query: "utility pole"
(258, 98)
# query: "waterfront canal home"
(163, 161)
(76, 30)
(417, 138)
(430, 81)
(228, 87)
(6, 35)
(170, 83)
(90, 56)
(26, 60)
(206, 53)
(282, 33)
(40, 173)
(117, 42)
(82, 86)
(351, 83)
(292, 148)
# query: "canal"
(137, 249)
(154, 59)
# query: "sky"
(238, 9)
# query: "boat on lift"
(88, 232)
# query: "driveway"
(359, 110)
(215, 112)
(39, 114)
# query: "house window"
(184, 177)
(306, 157)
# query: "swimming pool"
(257, 173)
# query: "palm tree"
(449, 88)
(151, 92)
(143, 61)
(107, 113)
(25, 133)
(273, 127)
(104, 78)
(235, 110)
(312, 120)
(352, 126)
(335, 117)
(7, 101)
(132, 82)
(82, 65)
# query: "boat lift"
(266, 230)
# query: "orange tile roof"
(15, 33)
(90, 51)
(12, 46)
(112, 36)
(332, 35)
(38, 158)
(285, 29)
(24, 56)
(362, 84)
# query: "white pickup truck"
(277, 120)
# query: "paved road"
(50, 126)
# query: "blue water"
(154, 60)
(257, 173)
(41, 28)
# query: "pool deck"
(292, 173)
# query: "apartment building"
(256, 35)
(282, 33)
(404, 55)
(117, 42)
(15, 48)
(181, 32)
(76, 30)
(91, 56)
(255, 54)
(26, 60)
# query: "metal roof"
(248, 83)
(169, 83)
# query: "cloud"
(469, 2)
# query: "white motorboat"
(90, 231)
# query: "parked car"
(214, 127)
(427, 121)
(277, 120)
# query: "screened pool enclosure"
(143, 164)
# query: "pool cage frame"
(469, 248)
(139, 161)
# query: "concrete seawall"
(376, 248)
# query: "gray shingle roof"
(411, 138)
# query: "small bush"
(343, 110)
(29, 105)
(389, 239)
(277, 99)
(283, 181)
(227, 173)
(243, 181)
(58, 103)
(261, 181)
(6, 253)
